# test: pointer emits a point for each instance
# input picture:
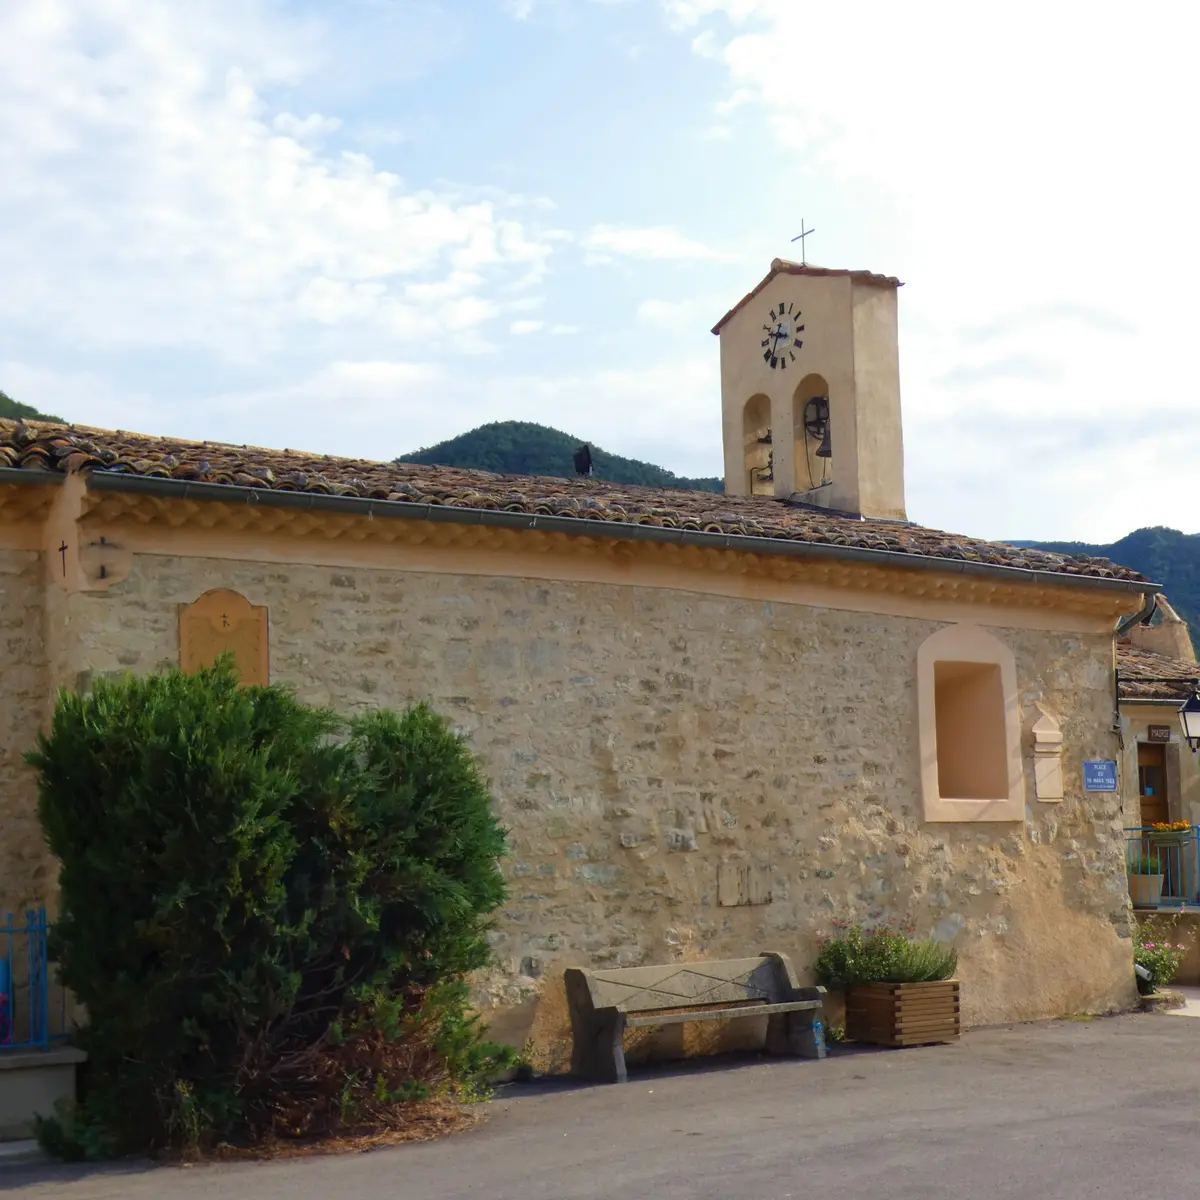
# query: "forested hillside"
(17, 411)
(525, 448)
(1164, 555)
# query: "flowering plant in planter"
(899, 990)
(1169, 832)
(1161, 957)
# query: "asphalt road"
(1058, 1111)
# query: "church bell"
(816, 424)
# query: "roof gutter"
(1139, 618)
(26, 476)
(181, 489)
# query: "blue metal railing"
(33, 1008)
(1164, 866)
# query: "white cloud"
(686, 317)
(355, 409)
(665, 412)
(524, 10)
(83, 397)
(520, 327)
(345, 408)
(154, 198)
(312, 126)
(563, 330)
(1009, 165)
(657, 242)
(686, 14)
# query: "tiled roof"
(783, 266)
(1167, 678)
(38, 446)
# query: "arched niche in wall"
(756, 446)
(225, 622)
(811, 468)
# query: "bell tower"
(810, 391)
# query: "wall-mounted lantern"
(1189, 718)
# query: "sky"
(360, 227)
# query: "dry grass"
(421, 1121)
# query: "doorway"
(1152, 784)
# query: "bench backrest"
(766, 977)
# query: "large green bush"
(268, 913)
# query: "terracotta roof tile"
(783, 266)
(1161, 672)
(39, 446)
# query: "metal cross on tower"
(800, 238)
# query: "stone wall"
(27, 874)
(640, 738)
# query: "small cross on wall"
(63, 551)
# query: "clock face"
(781, 336)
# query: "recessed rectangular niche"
(972, 759)
(743, 883)
(969, 729)
(224, 622)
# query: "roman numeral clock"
(781, 337)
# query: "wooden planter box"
(903, 1014)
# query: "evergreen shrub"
(880, 954)
(267, 912)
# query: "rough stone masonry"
(682, 776)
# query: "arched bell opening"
(812, 433)
(757, 456)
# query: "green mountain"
(17, 411)
(1163, 555)
(524, 448)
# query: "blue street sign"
(1099, 776)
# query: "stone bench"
(605, 1003)
(32, 1082)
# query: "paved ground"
(1060, 1111)
(1191, 1007)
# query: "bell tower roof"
(783, 266)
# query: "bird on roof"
(583, 460)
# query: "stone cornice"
(212, 528)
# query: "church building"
(714, 725)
